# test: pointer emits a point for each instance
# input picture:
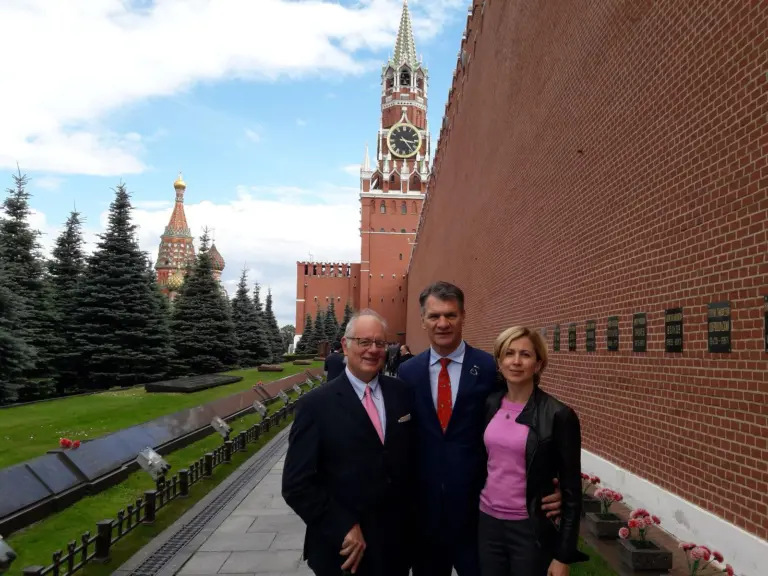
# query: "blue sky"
(265, 105)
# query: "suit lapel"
(354, 408)
(468, 376)
(390, 407)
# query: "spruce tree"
(318, 334)
(119, 330)
(159, 325)
(202, 330)
(33, 320)
(273, 331)
(306, 343)
(331, 324)
(253, 348)
(66, 271)
(348, 312)
(16, 357)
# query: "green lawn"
(30, 431)
(36, 543)
(595, 567)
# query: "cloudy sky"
(264, 105)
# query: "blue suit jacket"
(452, 465)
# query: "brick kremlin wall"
(605, 159)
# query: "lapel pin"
(473, 371)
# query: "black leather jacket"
(553, 450)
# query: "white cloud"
(102, 55)
(300, 122)
(46, 182)
(252, 135)
(352, 169)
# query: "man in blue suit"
(451, 381)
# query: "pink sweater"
(504, 494)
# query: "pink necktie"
(373, 414)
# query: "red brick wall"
(609, 158)
(317, 287)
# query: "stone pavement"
(261, 536)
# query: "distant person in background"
(404, 355)
(530, 437)
(393, 351)
(334, 363)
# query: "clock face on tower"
(404, 140)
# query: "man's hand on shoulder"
(353, 548)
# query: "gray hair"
(350, 330)
(442, 291)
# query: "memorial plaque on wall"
(765, 321)
(612, 334)
(639, 332)
(556, 338)
(719, 327)
(591, 335)
(571, 337)
(673, 330)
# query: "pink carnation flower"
(624, 533)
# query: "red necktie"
(444, 401)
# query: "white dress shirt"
(378, 399)
(454, 371)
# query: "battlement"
(330, 269)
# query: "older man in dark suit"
(350, 464)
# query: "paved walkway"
(261, 536)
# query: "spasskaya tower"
(392, 190)
(392, 186)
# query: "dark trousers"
(510, 548)
(440, 559)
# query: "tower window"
(401, 256)
(306, 269)
(402, 230)
(413, 207)
(405, 78)
(381, 230)
(404, 208)
(383, 207)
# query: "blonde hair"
(505, 339)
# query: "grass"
(30, 431)
(36, 543)
(596, 566)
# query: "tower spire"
(366, 160)
(405, 47)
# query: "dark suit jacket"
(452, 465)
(334, 365)
(337, 474)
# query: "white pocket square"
(404, 418)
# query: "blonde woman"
(530, 437)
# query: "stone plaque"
(571, 337)
(612, 334)
(673, 330)
(719, 327)
(591, 337)
(556, 338)
(20, 488)
(639, 332)
(765, 321)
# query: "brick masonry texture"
(607, 158)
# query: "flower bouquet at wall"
(588, 502)
(704, 562)
(605, 524)
(636, 550)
